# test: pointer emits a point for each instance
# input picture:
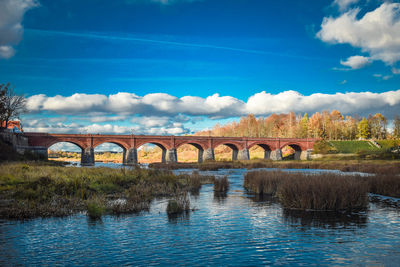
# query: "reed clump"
(30, 190)
(310, 192)
(221, 185)
(179, 204)
(386, 184)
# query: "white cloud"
(6, 51)
(356, 62)
(344, 4)
(156, 111)
(377, 32)
(11, 29)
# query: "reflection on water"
(325, 219)
(238, 229)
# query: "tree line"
(327, 125)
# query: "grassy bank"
(327, 191)
(31, 190)
(367, 166)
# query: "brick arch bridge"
(205, 144)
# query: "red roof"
(11, 124)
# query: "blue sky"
(178, 66)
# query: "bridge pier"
(208, 154)
(306, 154)
(200, 155)
(131, 157)
(276, 154)
(297, 154)
(243, 154)
(87, 156)
(267, 154)
(235, 153)
(171, 156)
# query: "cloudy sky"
(179, 66)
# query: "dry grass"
(37, 190)
(221, 185)
(310, 192)
(387, 184)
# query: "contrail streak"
(160, 42)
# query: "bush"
(323, 147)
(95, 210)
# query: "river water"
(237, 230)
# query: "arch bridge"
(205, 144)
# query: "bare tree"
(11, 104)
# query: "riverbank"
(29, 190)
(365, 166)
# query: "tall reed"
(326, 191)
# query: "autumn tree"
(11, 104)
(363, 129)
(304, 126)
(396, 127)
(378, 124)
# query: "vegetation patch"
(310, 192)
(178, 205)
(221, 185)
(354, 146)
(33, 190)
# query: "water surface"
(236, 230)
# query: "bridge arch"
(142, 153)
(266, 147)
(296, 147)
(234, 147)
(102, 155)
(54, 142)
(200, 149)
(122, 145)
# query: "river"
(237, 230)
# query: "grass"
(221, 185)
(328, 192)
(33, 190)
(178, 205)
(354, 146)
(386, 184)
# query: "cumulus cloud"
(128, 104)
(356, 62)
(162, 110)
(344, 4)
(11, 29)
(377, 32)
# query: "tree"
(396, 127)
(378, 124)
(364, 131)
(304, 126)
(12, 105)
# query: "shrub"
(95, 210)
